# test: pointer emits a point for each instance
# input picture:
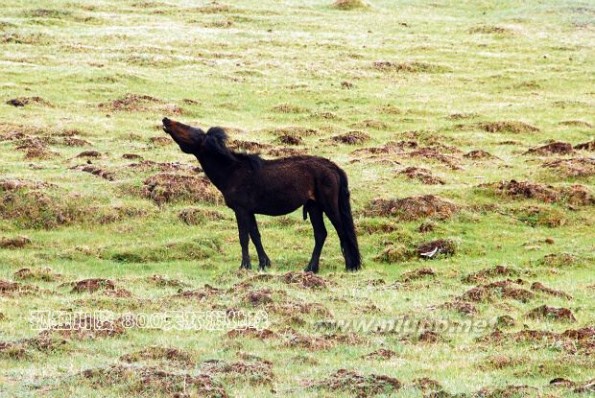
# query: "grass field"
(466, 126)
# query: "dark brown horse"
(252, 185)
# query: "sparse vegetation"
(466, 130)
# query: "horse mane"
(216, 143)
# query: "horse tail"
(353, 259)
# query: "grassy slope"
(522, 61)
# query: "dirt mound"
(558, 260)
(145, 165)
(288, 139)
(412, 208)
(252, 332)
(289, 308)
(306, 280)
(164, 281)
(131, 103)
(576, 123)
(248, 146)
(380, 354)
(153, 381)
(198, 216)
(355, 137)
(285, 152)
(505, 289)
(428, 385)
(96, 171)
(295, 131)
(259, 297)
(547, 216)
(435, 154)
(348, 381)
(462, 307)
(507, 392)
(556, 314)
(487, 273)
(37, 274)
(159, 353)
(429, 336)
(132, 156)
(575, 167)
(254, 372)
(540, 287)
(391, 147)
(554, 148)
(92, 285)
(22, 101)
(18, 242)
(489, 29)
(574, 195)
(35, 148)
(199, 294)
(421, 174)
(419, 273)
(435, 248)
(479, 154)
(350, 4)
(160, 141)
(75, 142)
(89, 154)
(586, 146)
(7, 286)
(507, 127)
(409, 67)
(87, 327)
(166, 187)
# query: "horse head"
(190, 139)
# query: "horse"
(252, 185)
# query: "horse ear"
(218, 134)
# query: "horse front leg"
(243, 220)
(263, 259)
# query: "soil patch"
(306, 280)
(87, 327)
(131, 103)
(412, 208)
(254, 372)
(552, 313)
(487, 273)
(575, 167)
(206, 292)
(423, 175)
(163, 281)
(166, 187)
(259, 297)
(155, 382)
(17, 242)
(92, 285)
(574, 195)
(159, 353)
(360, 385)
(586, 146)
(37, 274)
(540, 287)
(351, 138)
(380, 354)
(420, 273)
(89, 154)
(515, 127)
(479, 154)
(160, 141)
(287, 139)
(505, 289)
(554, 148)
(96, 171)
(252, 332)
(350, 4)
(434, 154)
(198, 216)
(462, 307)
(23, 101)
(435, 248)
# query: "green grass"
(453, 77)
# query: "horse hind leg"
(315, 212)
(263, 259)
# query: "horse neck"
(217, 168)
